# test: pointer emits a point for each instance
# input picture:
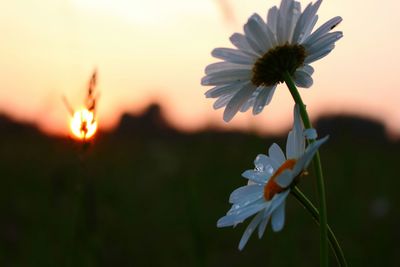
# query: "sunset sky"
(156, 51)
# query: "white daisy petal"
(220, 90)
(290, 145)
(256, 176)
(272, 19)
(251, 100)
(255, 35)
(263, 224)
(246, 193)
(289, 12)
(302, 79)
(239, 209)
(278, 218)
(306, 22)
(283, 21)
(263, 169)
(322, 30)
(228, 220)
(308, 30)
(247, 105)
(276, 153)
(240, 41)
(295, 10)
(252, 39)
(233, 219)
(250, 229)
(262, 99)
(237, 101)
(308, 69)
(224, 66)
(265, 164)
(298, 31)
(248, 200)
(306, 158)
(271, 94)
(264, 34)
(233, 56)
(271, 37)
(277, 200)
(295, 144)
(285, 6)
(304, 18)
(320, 54)
(275, 164)
(223, 101)
(226, 76)
(298, 129)
(262, 162)
(324, 41)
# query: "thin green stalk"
(306, 203)
(318, 171)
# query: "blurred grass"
(153, 199)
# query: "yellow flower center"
(272, 188)
(268, 69)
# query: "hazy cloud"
(226, 10)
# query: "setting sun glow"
(83, 124)
(131, 41)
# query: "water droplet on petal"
(259, 168)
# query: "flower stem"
(318, 171)
(306, 203)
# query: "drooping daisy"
(269, 184)
(248, 75)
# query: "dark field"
(146, 195)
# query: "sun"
(83, 124)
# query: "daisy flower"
(269, 183)
(248, 75)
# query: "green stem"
(306, 203)
(318, 171)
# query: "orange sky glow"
(156, 51)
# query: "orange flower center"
(272, 188)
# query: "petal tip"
(205, 80)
